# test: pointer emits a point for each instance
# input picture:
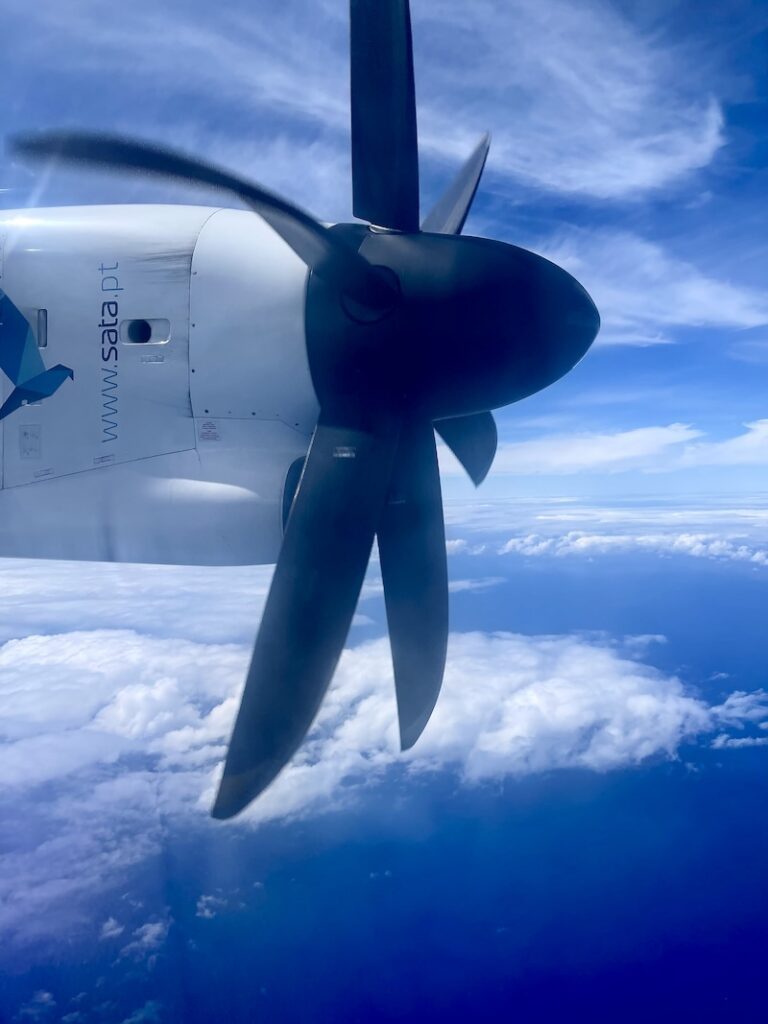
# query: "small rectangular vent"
(42, 328)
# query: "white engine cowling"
(191, 397)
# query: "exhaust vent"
(145, 332)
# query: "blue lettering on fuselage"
(109, 336)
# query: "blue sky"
(583, 816)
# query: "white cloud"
(747, 449)
(111, 929)
(566, 528)
(148, 938)
(714, 527)
(482, 583)
(750, 350)
(149, 1013)
(188, 737)
(459, 546)
(45, 596)
(556, 528)
(725, 742)
(584, 452)
(599, 106)
(127, 732)
(39, 1007)
(160, 601)
(511, 705)
(654, 449)
(696, 545)
(115, 693)
(643, 293)
(456, 546)
(741, 708)
(209, 905)
(659, 515)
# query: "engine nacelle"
(190, 397)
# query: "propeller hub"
(364, 314)
(480, 324)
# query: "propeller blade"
(310, 605)
(385, 159)
(328, 255)
(473, 440)
(448, 215)
(411, 539)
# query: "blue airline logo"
(21, 361)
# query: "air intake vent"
(145, 332)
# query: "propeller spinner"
(408, 331)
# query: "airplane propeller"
(409, 330)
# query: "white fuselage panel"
(247, 347)
(191, 397)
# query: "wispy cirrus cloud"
(658, 449)
(573, 453)
(747, 449)
(750, 350)
(645, 294)
(592, 104)
(111, 929)
(591, 452)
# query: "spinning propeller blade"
(327, 255)
(385, 157)
(472, 439)
(310, 605)
(448, 215)
(411, 539)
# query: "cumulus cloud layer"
(119, 685)
(560, 528)
(695, 545)
(555, 516)
(110, 738)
